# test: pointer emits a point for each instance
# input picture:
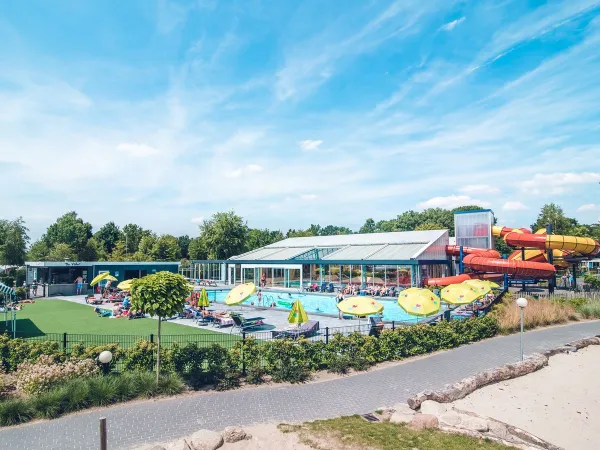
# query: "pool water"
(324, 304)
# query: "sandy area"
(268, 437)
(560, 403)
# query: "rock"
(434, 408)
(557, 350)
(450, 418)
(424, 421)
(205, 440)
(582, 343)
(473, 423)
(234, 434)
(467, 385)
(157, 447)
(403, 408)
(499, 429)
(400, 417)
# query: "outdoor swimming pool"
(324, 304)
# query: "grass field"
(61, 316)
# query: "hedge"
(281, 359)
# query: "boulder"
(473, 423)
(450, 418)
(434, 408)
(582, 343)
(424, 421)
(467, 385)
(403, 408)
(234, 434)
(499, 429)
(204, 440)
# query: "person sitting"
(126, 304)
(133, 314)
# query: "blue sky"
(297, 112)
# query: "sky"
(291, 112)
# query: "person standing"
(79, 282)
(259, 296)
(571, 281)
(338, 299)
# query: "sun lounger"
(244, 324)
(307, 329)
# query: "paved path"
(152, 421)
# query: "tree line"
(223, 235)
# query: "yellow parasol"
(203, 300)
(461, 294)
(98, 278)
(240, 293)
(125, 285)
(297, 314)
(419, 302)
(482, 286)
(360, 306)
(109, 278)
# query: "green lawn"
(354, 432)
(62, 316)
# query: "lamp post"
(522, 303)
(105, 358)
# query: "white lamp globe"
(105, 357)
(521, 302)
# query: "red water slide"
(487, 260)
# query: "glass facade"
(474, 229)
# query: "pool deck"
(274, 318)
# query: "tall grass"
(590, 310)
(537, 313)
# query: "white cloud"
(451, 201)
(308, 197)
(557, 183)
(309, 145)
(484, 189)
(137, 150)
(451, 25)
(588, 207)
(250, 168)
(514, 206)
(197, 219)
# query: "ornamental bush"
(37, 377)
(16, 351)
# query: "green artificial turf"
(61, 316)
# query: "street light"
(522, 303)
(105, 358)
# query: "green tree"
(132, 235)
(407, 221)
(13, 241)
(184, 243)
(93, 251)
(165, 248)
(502, 247)
(61, 252)
(161, 294)
(38, 251)
(118, 253)
(333, 230)
(429, 226)
(197, 250)
(554, 215)
(71, 230)
(298, 233)
(368, 227)
(108, 236)
(146, 244)
(224, 235)
(259, 238)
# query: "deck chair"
(243, 324)
(307, 329)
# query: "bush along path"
(133, 424)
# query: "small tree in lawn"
(162, 294)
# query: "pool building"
(400, 259)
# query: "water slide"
(488, 264)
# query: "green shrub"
(144, 384)
(51, 404)
(339, 364)
(15, 411)
(170, 384)
(102, 390)
(21, 293)
(590, 310)
(16, 351)
(77, 394)
(295, 373)
(81, 351)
